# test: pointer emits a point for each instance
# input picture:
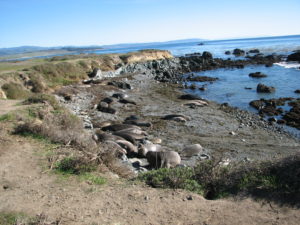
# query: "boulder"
(257, 75)
(96, 73)
(120, 84)
(238, 52)
(297, 91)
(294, 56)
(227, 53)
(254, 51)
(192, 150)
(261, 88)
(207, 55)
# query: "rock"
(189, 197)
(96, 73)
(254, 51)
(202, 88)
(227, 53)
(190, 97)
(120, 84)
(207, 55)
(257, 75)
(297, 91)
(261, 88)
(202, 79)
(257, 104)
(294, 56)
(120, 95)
(238, 52)
(201, 43)
(193, 87)
(232, 133)
(272, 119)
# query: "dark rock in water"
(190, 97)
(293, 116)
(227, 53)
(254, 51)
(207, 55)
(248, 88)
(257, 75)
(95, 73)
(238, 52)
(297, 91)
(202, 88)
(257, 104)
(201, 79)
(201, 43)
(272, 119)
(193, 87)
(193, 54)
(119, 84)
(281, 121)
(261, 88)
(294, 56)
(269, 64)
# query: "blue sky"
(97, 22)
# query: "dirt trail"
(7, 106)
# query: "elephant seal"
(196, 103)
(108, 100)
(148, 146)
(118, 127)
(116, 146)
(120, 95)
(134, 131)
(104, 107)
(132, 117)
(132, 137)
(127, 101)
(102, 137)
(163, 159)
(129, 147)
(190, 97)
(192, 150)
(171, 116)
(139, 123)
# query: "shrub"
(43, 98)
(272, 178)
(76, 166)
(15, 91)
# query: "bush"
(43, 98)
(76, 166)
(15, 91)
(266, 179)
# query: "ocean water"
(268, 45)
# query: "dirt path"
(7, 106)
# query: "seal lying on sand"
(176, 117)
(196, 103)
(163, 159)
(118, 127)
(192, 150)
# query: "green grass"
(7, 117)
(11, 218)
(15, 91)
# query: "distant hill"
(30, 49)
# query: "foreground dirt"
(7, 106)
(26, 187)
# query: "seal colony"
(142, 114)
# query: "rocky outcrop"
(261, 88)
(257, 75)
(146, 55)
(238, 52)
(171, 70)
(294, 56)
(254, 51)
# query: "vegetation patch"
(270, 179)
(7, 117)
(15, 91)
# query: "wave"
(289, 65)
